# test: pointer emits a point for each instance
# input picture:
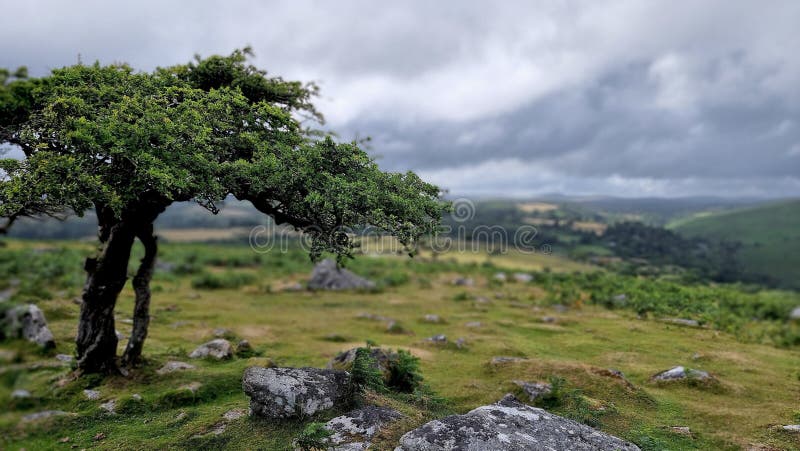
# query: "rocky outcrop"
(28, 322)
(219, 349)
(327, 276)
(295, 392)
(509, 425)
(354, 430)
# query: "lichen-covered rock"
(295, 392)
(383, 360)
(218, 348)
(327, 276)
(353, 430)
(509, 425)
(681, 373)
(28, 322)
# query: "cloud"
(580, 96)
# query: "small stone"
(99, 436)
(680, 373)
(234, 414)
(63, 440)
(243, 346)
(20, 394)
(461, 343)
(430, 318)
(795, 313)
(500, 277)
(791, 427)
(126, 321)
(294, 287)
(120, 335)
(110, 406)
(373, 317)
(219, 428)
(221, 332)
(500, 360)
(483, 300)
(438, 339)
(355, 429)
(535, 390)
(682, 322)
(173, 366)
(180, 416)
(548, 319)
(464, 282)
(474, 324)
(394, 327)
(681, 430)
(43, 415)
(219, 349)
(92, 395)
(560, 308)
(64, 358)
(193, 387)
(136, 397)
(522, 277)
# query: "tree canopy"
(127, 142)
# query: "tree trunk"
(141, 288)
(96, 343)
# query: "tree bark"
(141, 288)
(96, 343)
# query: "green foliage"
(404, 373)
(366, 373)
(108, 136)
(314, 437)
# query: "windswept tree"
(128, 144)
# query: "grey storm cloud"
(604, 97)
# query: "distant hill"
(769, 233)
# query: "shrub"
(314, 437)
(404, 375)
(365, 373)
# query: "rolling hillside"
(770, 236)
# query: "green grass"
(759, 383)
(770, 235)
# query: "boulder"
(535, 390)
(509, 425)
(218, 348)
(383, 360)
(327, 276)
(28, 322)
(295, 392)
(173, 365)
(680, 373)
(354, 430)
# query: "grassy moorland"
(769, 235)
(568, 323)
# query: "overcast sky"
(630, 98)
